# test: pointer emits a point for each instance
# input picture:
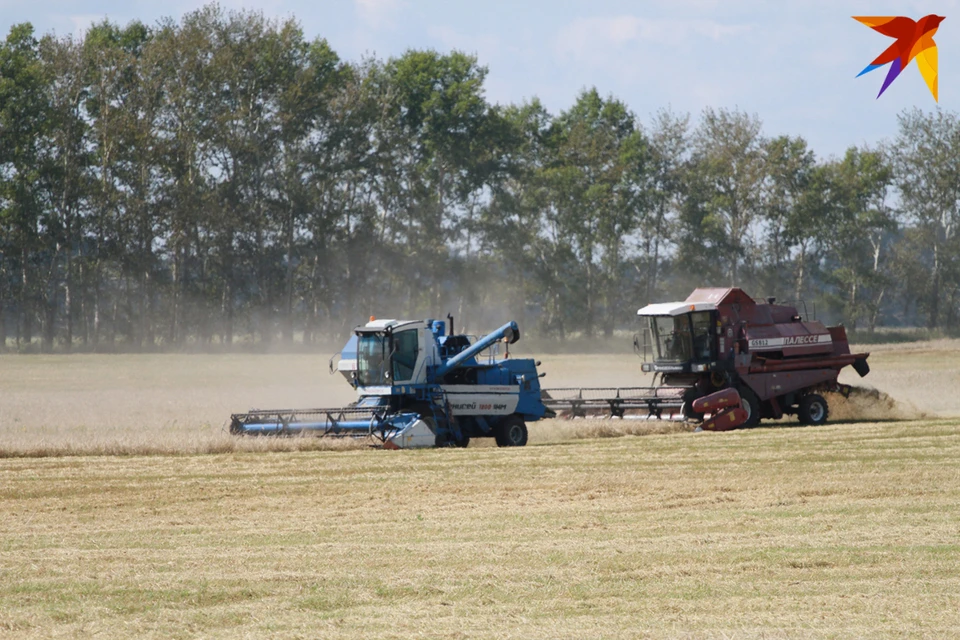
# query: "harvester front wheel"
(686, 409)
(750, 404)
(511, 432)
(813, 409)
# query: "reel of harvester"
(580, 402)
(341, 422)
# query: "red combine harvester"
(721, 340)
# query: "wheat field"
(176, 403)
(846, 530)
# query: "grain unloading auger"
(722, 339)
(420, 387)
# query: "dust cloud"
(869, 404)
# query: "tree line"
(223, 179)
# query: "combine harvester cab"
(720, 339)
(420, 387)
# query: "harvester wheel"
(750, 404)
(686, 409)
(688, 413)
(511, 432)
(813, 409)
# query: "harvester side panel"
(771, 385)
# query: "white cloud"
(379, 14)
(691, 63)
(584, 37)
(487, 47)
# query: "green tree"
(435, 114)
(724, 198)
(111, 58)
(510, 226)
(598, 187)
(860, 232)
(789, 167)
(24, 123)
(182, 53)
(670, 157)
(927, 173)
(65, 172)
(317, 147)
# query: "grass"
(847, 530)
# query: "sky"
(792, 63)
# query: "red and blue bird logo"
(913, 40)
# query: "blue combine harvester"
(420, 387)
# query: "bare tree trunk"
(588, 321)
(226, 311)
(801, 259)
(876, 311)
(84, 315)
(934, 309)
(50, 319)
(654, 271)
(114, 318)
(26, 306)
(97, 304)
(68, 295)
(288, 281)
(559, 315)
(173, 331)
(854, 312)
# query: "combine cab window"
(373, 354)
(701, 335)
(671, 337)
(406, 349)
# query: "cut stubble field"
(846, 530)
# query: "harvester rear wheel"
(750, 404)
(813, 409)
(511, 432)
